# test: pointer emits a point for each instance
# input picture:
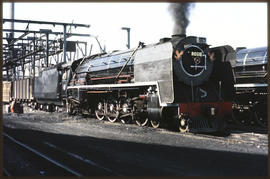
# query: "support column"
(34, 56)
(23, 72)
(47, 49)
(65, 43)
(128, 36)
(12, 17)
(7, 73)
(85, 52)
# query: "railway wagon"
(22, 90)
(45, 92)
(250, 71)
(179, 81)
(6, 92)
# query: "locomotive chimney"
(176, 38)
(179, 36)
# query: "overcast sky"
(235, 24)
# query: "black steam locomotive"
(250, 102)
(178, 81)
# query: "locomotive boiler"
(179, 81)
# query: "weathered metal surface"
(47, 85)
(154, 63)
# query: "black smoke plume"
(180, 13)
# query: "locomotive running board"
(113, 85)
(249, 85)
(110, 86)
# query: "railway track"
(78, 145)
(6, 173)
(68, 163)
(233, 138)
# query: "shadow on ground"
(139, 159)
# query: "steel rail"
(78, 157)
(42, 155)
(5, 172)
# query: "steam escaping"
(180, 13)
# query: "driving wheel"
(113, 113)
(100, 113)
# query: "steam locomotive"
(179, 82)
(250, 102)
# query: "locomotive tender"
(179, 81)
(45, 92)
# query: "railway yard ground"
(55, 144)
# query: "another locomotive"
(250, 103)
(179, 81)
